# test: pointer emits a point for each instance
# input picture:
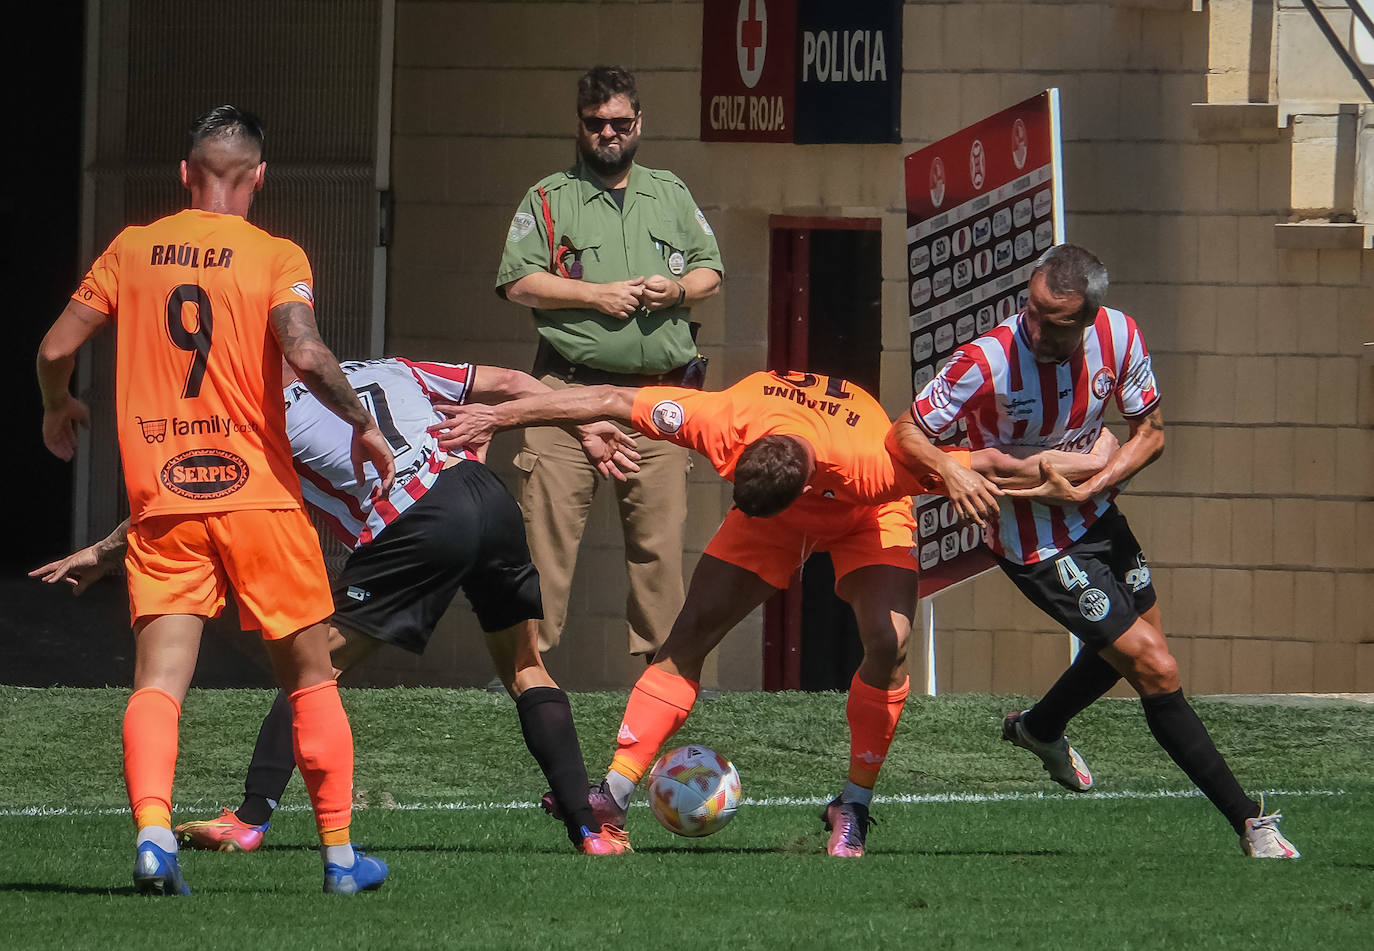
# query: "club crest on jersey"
(1141, 375)
(204, 474)
(939, 392)
(667, 416)
(1103, 381)
(1094, 604)
(303, 291)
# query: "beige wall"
(1259, 520)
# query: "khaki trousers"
(556, 494)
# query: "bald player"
(205, 307)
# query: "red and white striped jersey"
(397, 392)
(1006, 398)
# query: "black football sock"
(1177, 728)
(1088, 677)
(547, 723)
(272, 765)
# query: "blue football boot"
(365, 875)
(156, 872)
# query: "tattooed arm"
(318, 369)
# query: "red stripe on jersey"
(1078, 373)
(1106, 342)
(1059, 531)
(415, 487)
(458, 374)
(386, 510)
(1013, 364)
(1088, 512)
(1049, 397)
(329, 489)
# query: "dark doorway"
(41, 209)
(825, 315)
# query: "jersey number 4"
(197, 341)
(1070, 575)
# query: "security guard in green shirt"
(610, 256)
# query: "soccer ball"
(693, 791)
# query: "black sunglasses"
(621, 125)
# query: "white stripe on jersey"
(397, 393)
(1008, 399)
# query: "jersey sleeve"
(697, 419)
(292, 280)
(99, 289)
(526, 250)
(449, 382)
(939, 404)
(1137, 392)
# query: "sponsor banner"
(803, 71)
(982, 204)
(748, 65)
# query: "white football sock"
(160, 836)
(341, 855)
(620, 787)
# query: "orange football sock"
(334, 836)
(873, 714)
(323, 744)
(150, 754)
(658, 706)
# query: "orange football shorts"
(184, 564)
(855, 536)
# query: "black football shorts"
(465, 532)
(1097, 587)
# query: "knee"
(886, 642)
(1156, 672)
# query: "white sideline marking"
(900, 799)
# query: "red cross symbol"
(751, 33)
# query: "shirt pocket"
(670, 244)
(579, 252)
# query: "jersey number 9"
(197, 341)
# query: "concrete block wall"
(1259, 520)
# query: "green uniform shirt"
(660, 231)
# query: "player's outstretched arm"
(974, 497)
(84, 567)
(612, 452)
(318, 368)
(1018, 467)
(62, 412)
(475, 424)
(1144, 446)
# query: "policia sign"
(801, 71)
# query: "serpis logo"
(204, 474)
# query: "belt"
(550, 361)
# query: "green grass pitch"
(974, 847)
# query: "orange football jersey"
(198, 394)
(844, 425)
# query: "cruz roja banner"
(802, 71)
(981, 206)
